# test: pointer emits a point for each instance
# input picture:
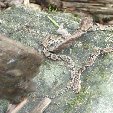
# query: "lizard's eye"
(51, 45)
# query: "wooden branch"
(42, 106)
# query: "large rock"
(30, 28)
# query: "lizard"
(52, 45)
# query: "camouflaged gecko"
(52, 45)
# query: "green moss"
(77, 101)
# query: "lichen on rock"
(30, 28)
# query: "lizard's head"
(52, 42)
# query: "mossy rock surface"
(30, 28)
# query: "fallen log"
(18, 65)
(101, 10)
